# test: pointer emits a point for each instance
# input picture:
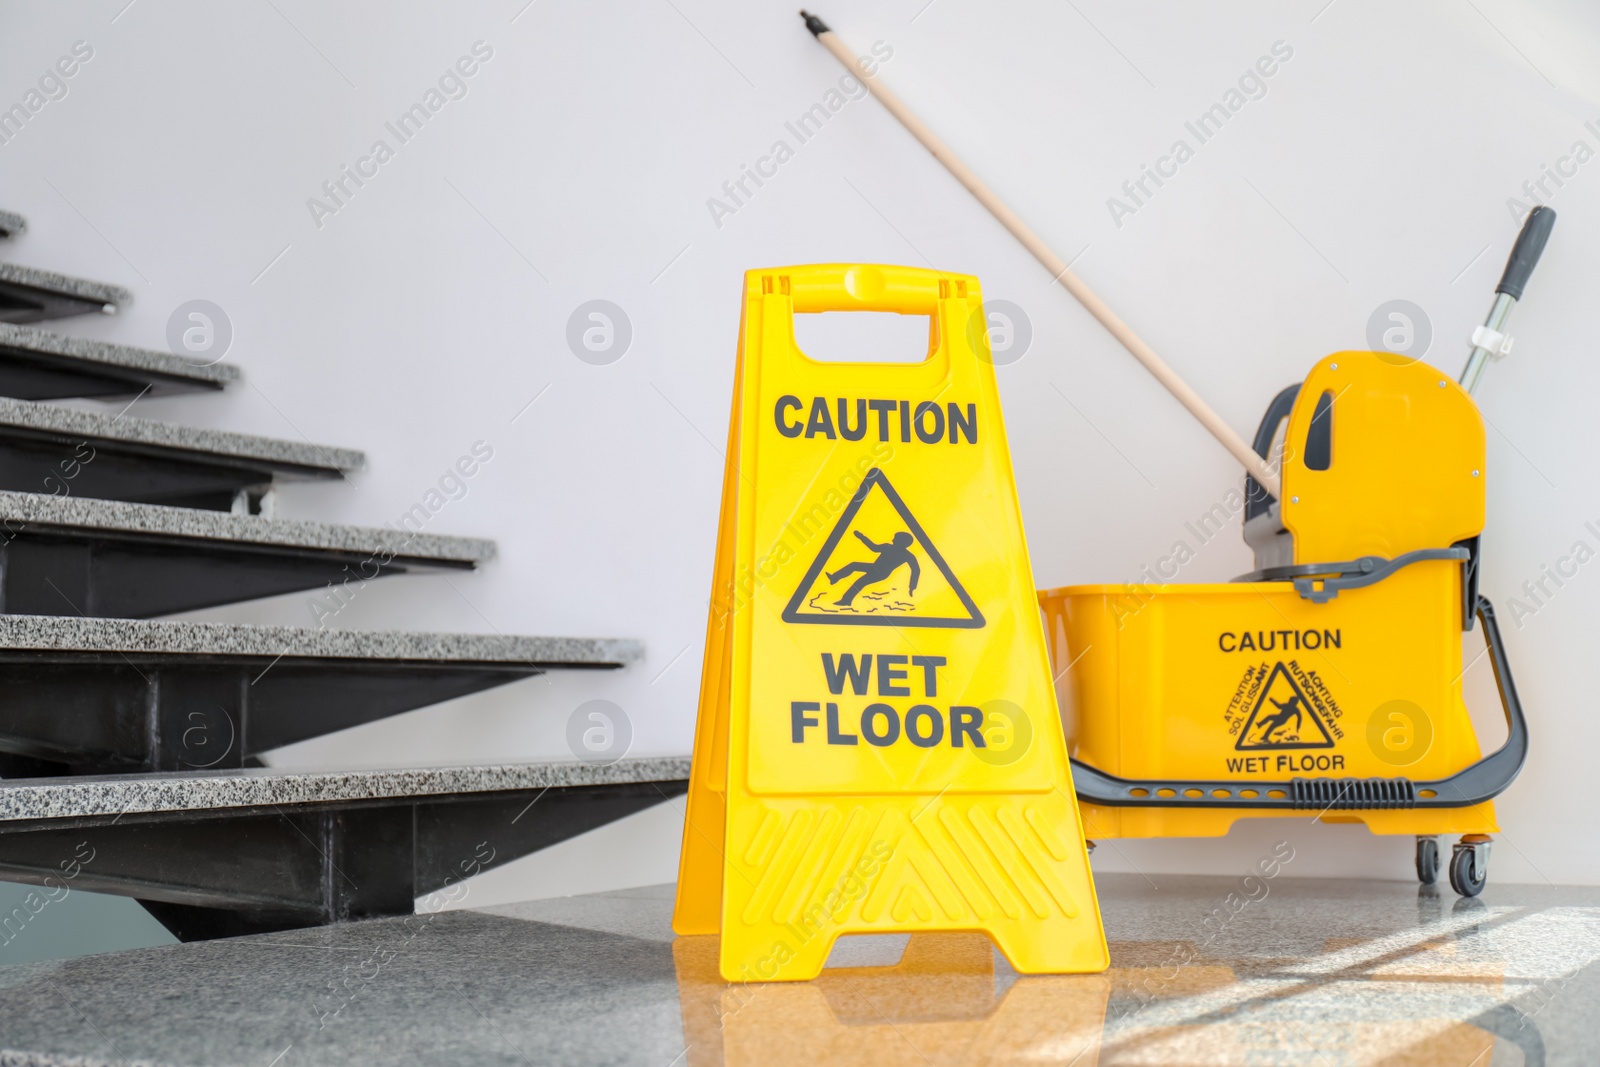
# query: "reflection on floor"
(1328, 973)
(941, 996)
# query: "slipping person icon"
(891, 557)
(1286, 709)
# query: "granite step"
(97, 696)
(36, 365)
(28, 294)
(104, 558)
(45, 448)
(217, 853)
(12, 224)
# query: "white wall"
(426, 313)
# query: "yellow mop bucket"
(1330, 679)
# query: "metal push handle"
(1490, 341)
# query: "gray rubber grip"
(1525, 253)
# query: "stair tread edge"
(53, 418)
(54, 281)
(62, 633)
(82, 513)
(31, 799)
(112, 353)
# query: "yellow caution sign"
(878, 746)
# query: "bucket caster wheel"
(1469, 865)
(1089, 845)
(1427, 859)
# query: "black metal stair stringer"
(48, 449)
(107, 696)
(28, 294)
(38, 365)
(101, 558)
(226, 869)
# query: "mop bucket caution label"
(1285, 704)
(1291, 708)
(878, 747)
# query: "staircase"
(138, 742)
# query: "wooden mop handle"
(1053, 263)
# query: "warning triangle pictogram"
(878, 568)
(1291, 720)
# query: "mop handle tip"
(813, 23)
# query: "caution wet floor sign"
(878, 746)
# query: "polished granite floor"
(1204, 971)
